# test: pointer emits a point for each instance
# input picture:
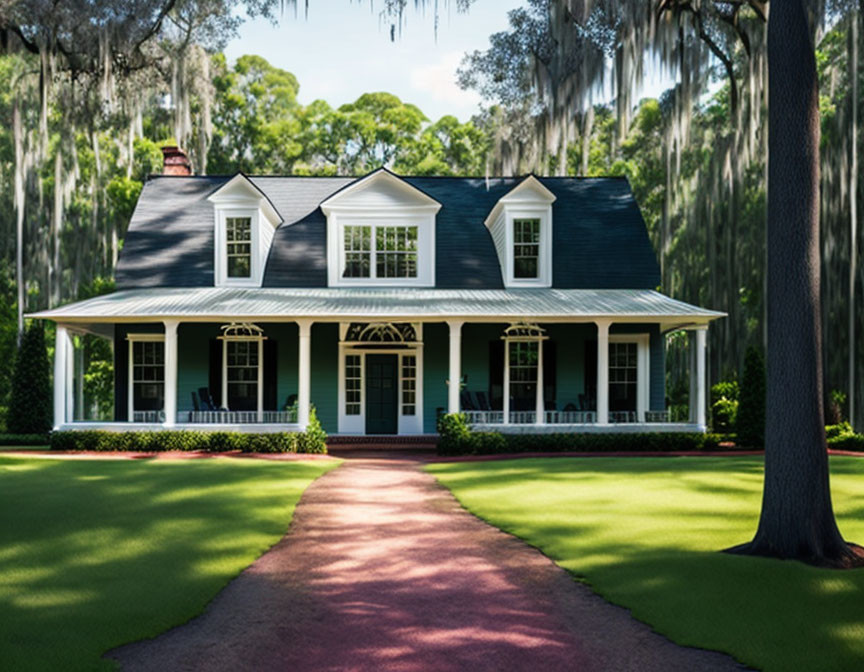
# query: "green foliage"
(851, 442)
(23, 439)
(724, 406)
(311, 441)
(841, 429)
(750, 424)
(30, 404)
(454, 433)
(836, 403)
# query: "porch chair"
(482, 401)
(465, 401)
(196, 405)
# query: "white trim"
(227, 194)
(454, 377)
(220, 252)
(61, 337)
(369, 181)
(602, 391)
(643, 368)
(304, 372)
(259, 392)
(130, 387)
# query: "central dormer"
(380, 233)
(244, 222)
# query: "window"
(238, 241)
(394, 254)
(353, 382)
(523, 374)
(242, 374)
(526, 248)
(148, 375)
(358, 251)
(623, 376)
(409, 384)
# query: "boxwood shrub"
(457, 438)
(23, 439)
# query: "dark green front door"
(382, 400)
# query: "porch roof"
(205, 304)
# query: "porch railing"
(562, 417)
(239, 417)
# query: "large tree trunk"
(797, 520)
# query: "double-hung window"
(379, 251)
(238, 247)
(146, 377)
(526, 248)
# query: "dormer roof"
(241, 190)
(379, 189)
(529, 190)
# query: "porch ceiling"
(365, 304)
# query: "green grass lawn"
(645, 533)
(94, 554)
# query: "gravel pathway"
(383, 570)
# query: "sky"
(343, 49)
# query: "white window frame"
(260, 338)
(356, 424)
(543, 213)
(223, 213)
(643, 368)
(130, 389)
(425, 224)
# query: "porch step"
(416, 443)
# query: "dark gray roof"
(600, 240)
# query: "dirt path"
(383, 570)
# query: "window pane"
(242, 375)
(523, 375)
(623, 376)
(238, 247)
(396, 252)
(353, 381)
(358, 251)
(409, 385)
(526, 248)
(148, 371)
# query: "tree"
(750, 426)
(30, 403)
(797, 519)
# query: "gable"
(379, 190)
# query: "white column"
(701, 382)
(540, 412)
(304, 376)
(506, 392)
(70, 377)
(60, 353)
(691, 355)
(455, 379)
(602, 373)
(79, 382)
(260, 400)
(170, 407)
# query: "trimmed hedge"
(23, 439)
(458, 439)
(185, 440)
(843, 437)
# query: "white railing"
(528, 417)
(148, 416)
(656, 416)
(570, 417)
(240, 417)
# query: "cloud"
(438, 81)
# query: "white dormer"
(521, 226)
(245, 221)
(380, 233)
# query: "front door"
(382, 388)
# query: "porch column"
(61, 351)
(170, 407)
(603, 372)
(455, 379)
(701, 343)
(691, 357)
(540, 408)
(70, 377)
(304, 372)
(506, 393)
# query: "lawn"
(94, 554)
(644, 533)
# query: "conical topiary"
(751, 401)
(30, 400)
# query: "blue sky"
(343, 49)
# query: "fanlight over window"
(381, 332)
(242, 331)
(524, 331)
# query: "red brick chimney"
(175, 161)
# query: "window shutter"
(271, 368)
(215, 380)
(496, 374)
(549, 370)
(121, 377)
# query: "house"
(529, 303)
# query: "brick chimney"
(175, 161)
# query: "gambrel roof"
(600, 240)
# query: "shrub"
(314, 439)
(30, 404)
(833, 431)
(23, 439)
(724, 412)
(455, 435)
(853, 442)
(836, 401)
(751, 405)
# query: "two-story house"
(528, 303)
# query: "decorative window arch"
(242, 367)
(381, 332)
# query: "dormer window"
(526, 248)
(238, 250)
(245, 221)
(381, 231)
(521, 228)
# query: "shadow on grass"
(95, 553)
